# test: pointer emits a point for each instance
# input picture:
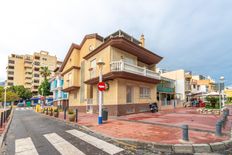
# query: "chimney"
(142, 40)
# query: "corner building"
(129, 72)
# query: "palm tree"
(45, 72)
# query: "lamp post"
(42, 96)
(5, 88)
(221, 100)
(100, 64)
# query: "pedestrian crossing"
(25, 146)
(24, 108)
(64, 147)
(107, 147)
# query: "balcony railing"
(127, 67)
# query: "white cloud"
(172, 28)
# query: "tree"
(10, 96)
(44, 88)
(21, 91)
(45, 72)
(213, 101)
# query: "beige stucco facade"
(80, 72)
(25, 69)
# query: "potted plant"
(46, 111)
(56, 113)
(51, 112)
(71, 115)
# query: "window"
(36, 63)
(36, 81)
(129, 60)
(44, 59)
(93, 67)
(69, 79)
(10, 78)
(145, 92)
(11, 67)
(11, 73)
(129, 94)
(10, 84)
(11, 61)
(75, 95)
(36, 75)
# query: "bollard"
(1, 119)
(185, 135)
(4, 117)
(65, 114)
(76, 115)
(224, 117)
(227, 112)
(218, 131)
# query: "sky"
(194, 35)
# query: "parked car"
(20, 105)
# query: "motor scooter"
(153, 107)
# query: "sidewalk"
(162, 127)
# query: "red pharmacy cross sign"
(101, 86)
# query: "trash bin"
(104, 114)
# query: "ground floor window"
(129, 94)
(145, 92)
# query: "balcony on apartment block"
(121, 69)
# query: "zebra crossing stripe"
(107, 147)
(64, 147)
(25, 146)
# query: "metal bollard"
(76, 114)
(224, 117)
(185, 135)
(65, 114)
(1, 123)
(227, 112)
(218, 131)
(4, 116)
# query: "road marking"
(107, 147)
(64, 147)
(25, 146)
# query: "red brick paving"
(156, 133)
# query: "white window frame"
(144, 92)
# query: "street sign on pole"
(101, 86)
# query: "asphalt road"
(28, 130)
(31, 133)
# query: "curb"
(154, 146)
(3, 135)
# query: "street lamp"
(100, 64)
(221, 100)
(5, 88)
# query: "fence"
(4, 116)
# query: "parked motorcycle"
(153, 107)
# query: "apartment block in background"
(183, 82)
(129, 72)
(25, 69)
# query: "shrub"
(70, 111)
